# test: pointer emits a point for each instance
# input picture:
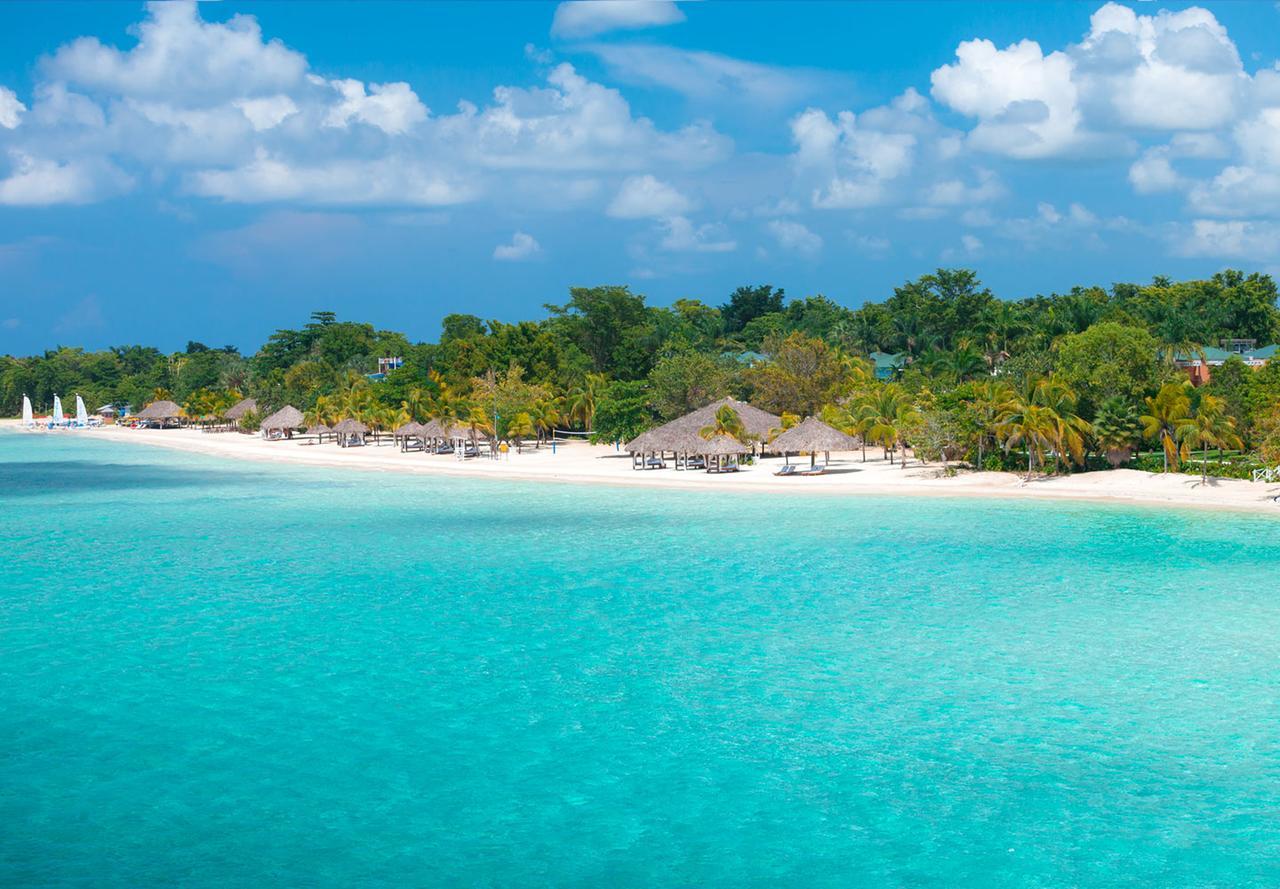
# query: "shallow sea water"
(217, 673)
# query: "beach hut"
(282, 423)
(161, 413)
(239, 409)
(350, 433)
(412, 436)
(813, 436)
(721, 453)
(319, 430)
(681, 436)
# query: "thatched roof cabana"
(814, 435)
(318, 429)
(432, 429)
(756, 422)
(412, 429)
(160, 410)
(288, 417)
(240, 408)
(720, 446)
(350, 427)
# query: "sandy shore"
(578, 462)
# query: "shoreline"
(582, 463)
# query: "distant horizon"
(217, 172)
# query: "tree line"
(1046, 382)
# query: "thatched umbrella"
(414, 430)
(240, 408)
(285, 420)
(812, 436)
(160, 411)
(319, 430)
(348, 429)
(757, 423)
(719, 447)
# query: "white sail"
(82, 415)
(28, 418)
(57, 418)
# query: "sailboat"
(28, 418)
(82, 415)
(57, 419)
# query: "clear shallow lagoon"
(240, 674)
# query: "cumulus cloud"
(224, 112)
(34, 181)
(522, 246)
(682, 236)
(795, 236)
(1229, 239)
(10, 109)
(858, 160)
(645, 197)
(587, 18)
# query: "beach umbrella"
(812, 436)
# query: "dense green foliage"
(1053, 379)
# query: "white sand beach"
(579, 462)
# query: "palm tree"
(788, 420)
(726, 422)
(546, 415)
(987, 405)
(1115, 428)
(881, 415)
(520, 427)
(1032, 425)
(417, 401)
(582, 400)
(1211, 426)
(1168, 413)
(1070, 428)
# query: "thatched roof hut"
(240, 408)
(756, 422)
(160, 410)
(432, 429)
(350, 427)
(288, 417)
(720, 446)
(412, 429)
(814, 435)
(318, 429)
(682, 434)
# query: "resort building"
(1199, 366)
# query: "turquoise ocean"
(238, 674)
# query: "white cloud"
(1234, 239)
(178, 55)
(385, 181)
(1153, 172)
(1025, 101)
(267, 112)
(38, 181)
(644, 197)
(795, 236)
(683, 236)
(522, 246)
(587, 18)
(870, 245)
(708, 76)
(391, 107)
(956, 192)
(1171, 70)
(859, 160)
(10, 109)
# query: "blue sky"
(175, 172)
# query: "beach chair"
(788, 469)
(817, 469)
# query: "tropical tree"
(1168, 414)
(520, 427)
(1034, 426)
(1211, 426)
(987, 405)
(583, 398)
(889, 418)
(1116, 428)
(726, 422)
